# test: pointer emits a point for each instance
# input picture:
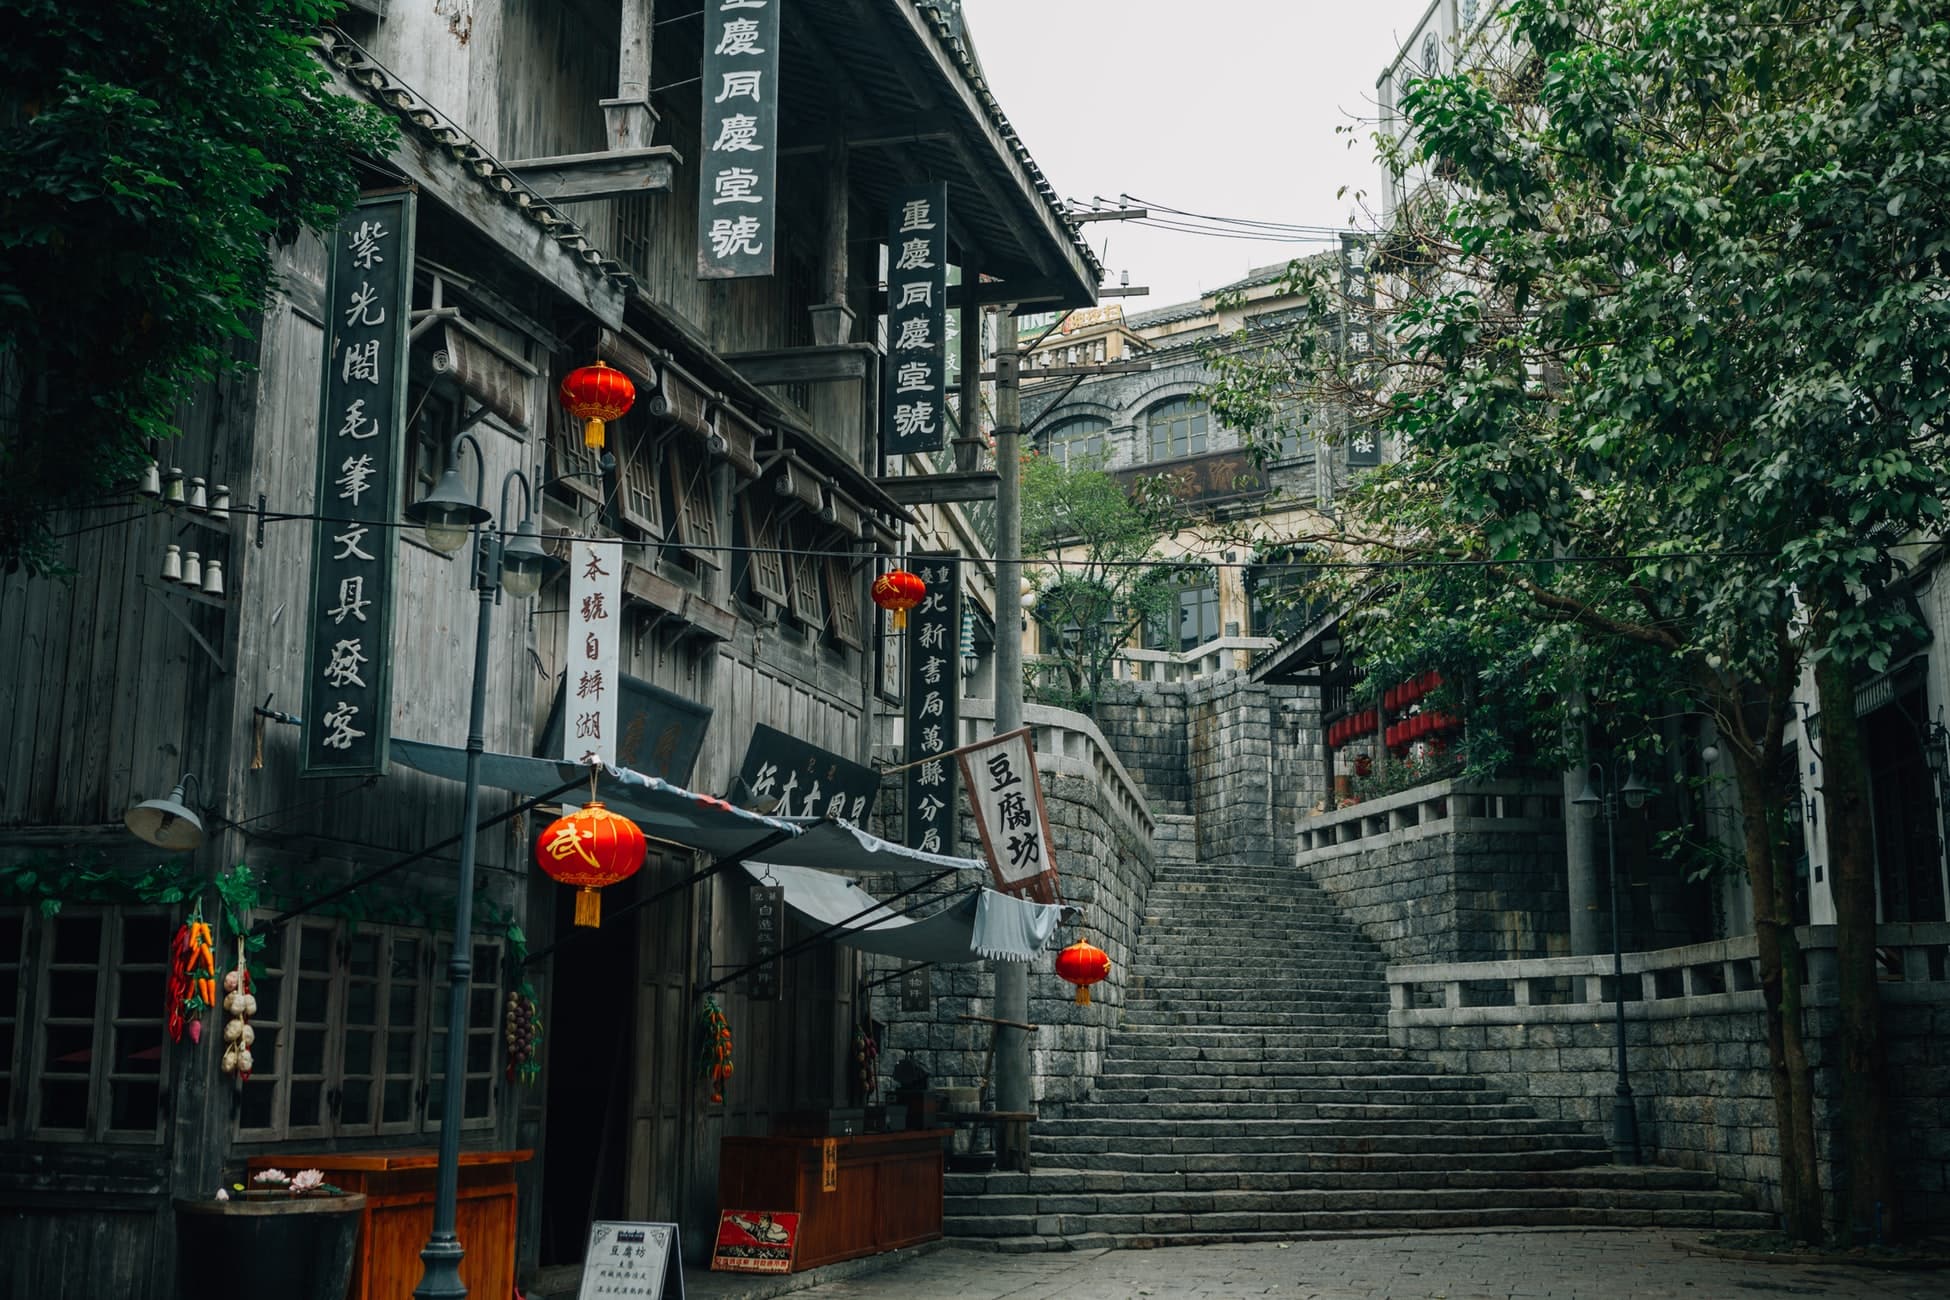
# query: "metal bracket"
(162, 598)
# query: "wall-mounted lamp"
(167, 823)
(1936, 750)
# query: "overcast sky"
(1226, 107)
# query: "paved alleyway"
(1559, 1265)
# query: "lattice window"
(1177, 427)
(764, 565)
(642, 503)
(483, 1003)
(103, 982)
(697, 520)
(572, 467)
(843, 586)
(13, 952)
(808, 601)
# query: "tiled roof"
(427, 122)
(951, 29)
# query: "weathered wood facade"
(750, 429)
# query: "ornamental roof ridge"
(379, 85)
(950, 29)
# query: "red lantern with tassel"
(898, 591)
(594, 394)
(591, 848)
(1083, 963)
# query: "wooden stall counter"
(855, 1196)
(398, 1216)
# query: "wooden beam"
(814, 365)
(614, 173)
(868, 142)
(937, 489)
(988, 293)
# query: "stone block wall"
(1145, 723)
(1447, 872)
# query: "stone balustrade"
(1446, 805)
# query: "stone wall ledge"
(1443, 807)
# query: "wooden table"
(398, 1217)
(887, 1195)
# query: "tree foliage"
(1105, 579)
(152, 153)
(1661, 351)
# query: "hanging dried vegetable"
(522, 1026)
(714, 1061)
(866, 1060)
(237, 1032)
(192, 976)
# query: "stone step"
(1275, 1084)
(1349, 1107)
(1240, 1165)
(1161, 1101)
(1043, 1182)
(1153, 1013)
(1052, 1234)
(1408, 1129)
(1141, 1042)
(1228, 1203)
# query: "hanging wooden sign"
(784, 776)
(1006, 797)
(737, 200)
(348, 665)
(933, 719)
(914, 406)
(591, 686)
(763, 984)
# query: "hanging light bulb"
(199, 499)
(192, 570)
(173, 563)
(213, 578)
(220, 503)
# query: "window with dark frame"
(808, 602)
(764, 565)
(641, 500)
(1077, 442)
(1177, 427)
(690, 489)
(13, 952)
(573, 467)
(843, 588)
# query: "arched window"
(1177, 427)
(1077, 441)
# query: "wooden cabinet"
(399, 1214)
(887, 1190)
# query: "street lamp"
(1591, 802)
(449, 513)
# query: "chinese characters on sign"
(1007, 800)
(768, 916)
(916, 988)
(737, 198)
(591, 685)
(785, 776)
(913, 409)
(348, 701)
(638, 1260)
(933, 701)
(755, 1241)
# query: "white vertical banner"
(1007, 800)
(594, 652)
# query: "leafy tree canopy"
(153, 152)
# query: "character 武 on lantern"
(1083, 963)
(898, 591)
(590, 848)
(594, 394)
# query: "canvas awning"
(694, 821)
(978, 926)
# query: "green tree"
(1662, 355)
(152, 154)
(1100, 576)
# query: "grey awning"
(979, 926)
(684, 817)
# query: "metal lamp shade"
(523, 561)
(447, 512)
(1587, 801)
(166, 823)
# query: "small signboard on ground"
(755, 1241)
(637, 1260)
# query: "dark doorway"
(586, 1073)
(1909, 859)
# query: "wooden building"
(552, 146)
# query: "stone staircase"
(1250, 1093)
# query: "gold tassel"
(900, 620)
(1083, 995)
(589, 907)
(592, 435)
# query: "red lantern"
(898, 591)
(590, 848)
(594, 394)
(1083, 963)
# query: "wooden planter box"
(887, 1192)
(398, 1215)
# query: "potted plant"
(285, 1235)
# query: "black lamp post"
(1591, 802)
(517, 563)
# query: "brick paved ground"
(1560, 1265)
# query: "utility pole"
(1011, 978)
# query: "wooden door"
(665, 1057)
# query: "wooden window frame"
(844, 601)
(13, 1046)
(764, 559)
(105, 1019)
(808, 603)
(572, 467)
(697, 525)
(639, 494)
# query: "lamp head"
(448, 512)
(1710, 755)
(1587, 801)
(523, 561)
(1636, 792)
(167, 823)
(1330, 646)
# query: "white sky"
(1226, 107)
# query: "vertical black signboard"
(933, 697)
(348, 664)
(768, 916)
(912, 412)
(737, 195)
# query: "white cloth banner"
(594, 651)
(1007, 800)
